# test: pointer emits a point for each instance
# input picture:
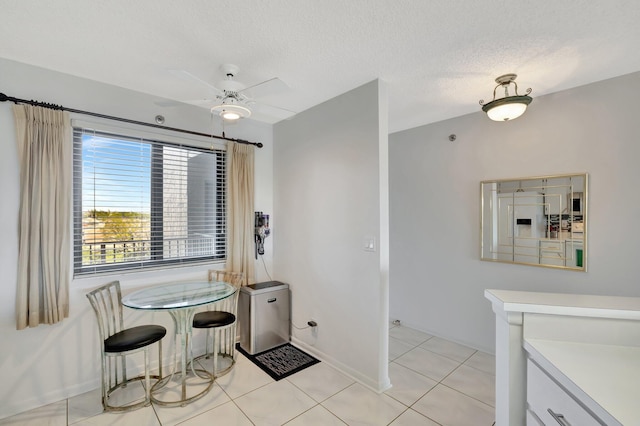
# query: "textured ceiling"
(438, 57)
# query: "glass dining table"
(181, 300)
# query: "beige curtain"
(44, 150)
(240, 210)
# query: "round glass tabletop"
(176, 295)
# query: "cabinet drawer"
(543, 394)
(532, 419)
(552, 257)
(552, 245)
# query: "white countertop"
(582, 340)
(608, 375)
(565, 304)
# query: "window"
(142, 203)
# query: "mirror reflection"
(536, 221)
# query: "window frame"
(156, 139)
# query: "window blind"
(141, 203)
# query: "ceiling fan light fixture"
(231, 112)
(230, 115)
(508, 107)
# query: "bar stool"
(221, 321)
(117, 342)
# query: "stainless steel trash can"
(264, 315)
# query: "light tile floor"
(435, 382)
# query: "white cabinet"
(552, 252)
(526, 250)
(550, 404)
(587, 348)
(533, 420)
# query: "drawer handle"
(558, 418)
(271, 300)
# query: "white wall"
(437, 278)
(330, 193)
(49, 363)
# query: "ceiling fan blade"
(268, 87)
(186, 75)
(272, 111)
(170, 103)
(167, 103)
(201, 102)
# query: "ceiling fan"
(233, 100)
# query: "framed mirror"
(539, 221)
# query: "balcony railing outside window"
(140, 202)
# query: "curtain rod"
(5, 98)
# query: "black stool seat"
(210, 319)
(116, 343)
(134, 338)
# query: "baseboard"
(417, 327)
(58, 395)
(342, 368)
(48, 398)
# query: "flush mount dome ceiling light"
(508, 107)
(230, 109)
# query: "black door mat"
(281, 361)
